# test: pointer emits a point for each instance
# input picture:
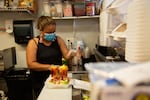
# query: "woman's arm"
(67, 54)
(32, 63)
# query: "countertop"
(61, 93)
(55, 94)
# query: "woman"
(45, 50)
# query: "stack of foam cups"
(138, 32)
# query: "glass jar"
(59, 8)
(53, 12)
(67, 9)
(1, 3)
(46, 8)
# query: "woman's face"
(49, 28)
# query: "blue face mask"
(50, 37)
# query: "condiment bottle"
(87, 52)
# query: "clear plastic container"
(67, 9)
(46, 8)
(59, 8)
(102, 70)
(53, 10)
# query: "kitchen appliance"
(3, 87)
(108, 54)
(7, 58)
(17, 81)
(19, 84)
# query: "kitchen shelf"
(77, 17)
(17, 10)
(119, 32)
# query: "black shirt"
(49, 54)
(45, 55)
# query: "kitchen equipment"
(19, 84)
(17, 79)
(106, 51)
(7, 58)
(107, 54)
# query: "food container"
(59, 8)
(67, 9)
(90, 9)
(46, 8)
(79, 8)
(53, 10)
(1, 3)
(103, 70)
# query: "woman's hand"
(77, 57)
(71, 53)
(78, 53)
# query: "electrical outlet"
(70, 42)
(71, 39)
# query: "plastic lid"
(112, 81)
(90, 4)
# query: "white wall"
(85, 29)
(79, 29)
(6, 41)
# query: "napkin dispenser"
(23, 31)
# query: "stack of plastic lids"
(138, 32)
